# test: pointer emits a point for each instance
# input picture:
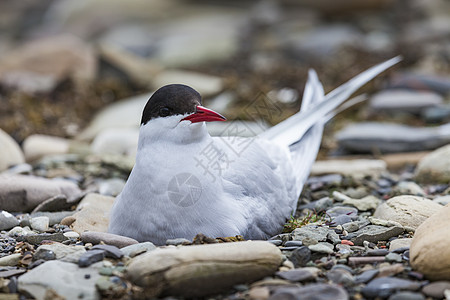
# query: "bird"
(185, 181)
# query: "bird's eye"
(164, 111)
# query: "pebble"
(137, 249)
(322, 247)
(22, 193)
(399, 244)
(71, 235)
(434, 167)
(313, 232)
(436, 289)
(7, 220)
(351, 226)
(300, 274)
(384, 287)
(37, 239)
(364, 204)
(39, 223)
(318, 291)
(394, 257)
(10, 260)
(401, 101)
(341, 277)
(407, 210)
(194, 271)
(375, 233)
(178, 241)
(409, 188)
(108, 238)
(293, 244)
(378, 252)
(10, 152)
(93, 213)
(61, 277)
(259, 293)
(110, 251)
(90, 257)
(366, 276)
(407, 296)
(44, 254)
(37, 146)
(300, 256)
(342, 210)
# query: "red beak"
(203, 114)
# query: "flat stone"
(300, 256)
(39, 223)
(434, 167)
(340, 277)
(315, 232)
(409, 188)
(63, 252)
(409, 211)
(22, 193)
(178, 241)
(342, 210)
(110, 251)
(195, 271)
(62, 278)
(407, 296)
(404, 101)
(436, 289)
(351, 226)
(36, 239)
(137, 249)
(378, 252)
(374, 233)
(357, 168)
(11, 273)
(364, 137)
(90, 257)
(386, 286)
(394, 257)
(93, 213)
(293, 244)
(317, 291)
(7, 220)
(322, 247)
(10, 260)
(300, 274)
(108, 238)
(366, 276)
(71, 235)
(54, 204)
(37, 146)
(429, 252)
(10, 152)
(367, 203)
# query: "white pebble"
(39, 223)
(71, 235)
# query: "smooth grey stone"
(178, 241)
(374, 233)
(342, 219)
(385, 286)
(340, 276)
(300, 256)
(400, 250)
(288, 248)
(366, 276)
(53, 217)
(317, 233)
(407, 296)
(137, 249)
(38, 238)
(276, 242)
(342, 210)
(394, 257)
(401, 101)
(95, 237)
(389, 138)
(333, 237)
(110, 251)
(44, 254)
(351, 226)
(7, 220)
(293, 244)
(378, 252)
(316, 291)
(299, 274)
(90, 257)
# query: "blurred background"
(62, 62)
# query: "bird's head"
(181, 101)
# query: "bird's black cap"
(170, 100)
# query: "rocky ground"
(373, 218)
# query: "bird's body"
(186, 182)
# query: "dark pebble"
(293, 244)
(44, 254)
(296, 275)
(366, 276)
(110, 251)
(90, 257)
(276, 242)
(415, 275)
(316, 291)
(37, 239)
(341, 277)
(385, 286)
(288, 248)
(87, 276)
(300, 256)
(405, 255)
(378, 252)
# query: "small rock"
(178, 241)
(394, 257)
(342, 210)
(322, 247)
(137, 249)
(442, 200)
(315, 232)
(386, 286)
(340, 277)
(300, 274)
(364, 204)
(90, 257)
(195, 271)
(357, 168)
(378, 252)
(37, 146)
(390, 270)
(110, 251)
(68, 220)
(44, 254)
(406, 296)
(108, 238)
(374, 233)
(366, 276)
(436, 289)
(39, 223)
(434, 167)
(53, 217)
(22, 193)
(293, 244)
(409, 211)
(351, 226)
(61, 277)
(317, 291)
(62, 252)
(404, 101)
(259, 293)
(10, 260)
(300, 256)
(93, 214)
(430, 253)
(399, 243)
(20, 231)
(409, 188)
(71, 235)
(36, 239)
(7, 220)
(10, 152)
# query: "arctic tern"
(251, 187)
